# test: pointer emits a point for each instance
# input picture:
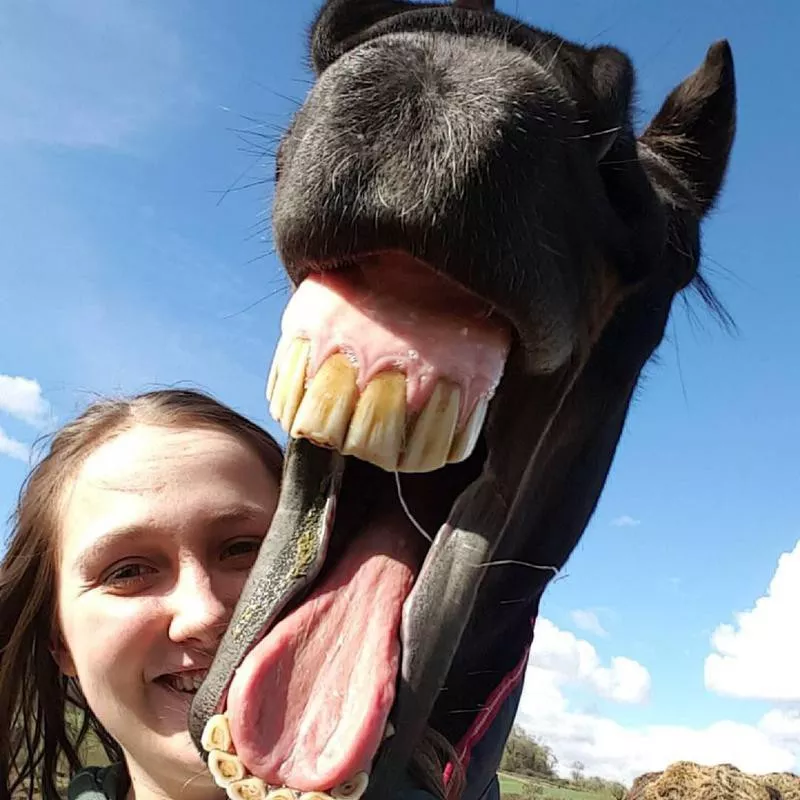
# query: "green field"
(510, 784)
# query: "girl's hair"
(49, 720)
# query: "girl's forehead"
(149, 475)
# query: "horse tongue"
(308, 706)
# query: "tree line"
(526, 755)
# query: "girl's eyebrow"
(96, 550)
(130, 533)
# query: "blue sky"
(122, 270)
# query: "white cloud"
(88, 72)
(574, 660)
(12, 448)
(22, 398)
(588, 621)
(617, 752)
(625, 522)
(782, 725)
(759, 656)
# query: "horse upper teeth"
(287, 382)
(465, 440)
(248, 789)
(373, 425)
(377, 428)
(432, 434)
(217, 735)
(352, 789)
(225, 768)
(325, 411)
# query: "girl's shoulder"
(99, 783)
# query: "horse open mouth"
(484, 257)
(383, 378)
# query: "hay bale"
(685, 780)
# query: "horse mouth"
(383, 379)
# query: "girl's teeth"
(187, 681)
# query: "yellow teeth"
(373, 425)
(465, 440)
(289, 382)
(378, 426)
(217, 735)
(229, 772)
(325, 411)
(352, 789)
(389, 731)
(225, 768)
(432, 435)
(248, 789)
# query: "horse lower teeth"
(248, 789)
(352, 789)
(225, 768)
(230, 774)
(217, 735)
(373, 425)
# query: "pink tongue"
(309, 705)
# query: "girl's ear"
(62, 656)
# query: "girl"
(130, 545)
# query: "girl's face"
(160, 529)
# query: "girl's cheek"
(102, 632)
(230, 585)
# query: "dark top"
(100, 783)
(111, 783)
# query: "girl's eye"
(128, 576)
(242, 549)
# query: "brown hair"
(38, 739)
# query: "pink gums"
(397, 314)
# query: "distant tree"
(524, 754)
(617, 790)
(577, 770)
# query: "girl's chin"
(170, 708)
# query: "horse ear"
(611, 76)
(475, 5)
(694, 130)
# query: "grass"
(512, 784)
